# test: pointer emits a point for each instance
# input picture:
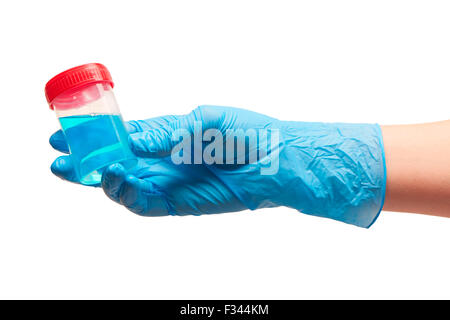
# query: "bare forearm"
(418, 168)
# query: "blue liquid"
(96, 141)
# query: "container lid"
(76, 77)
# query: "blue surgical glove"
(332, 170)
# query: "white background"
(356, 61)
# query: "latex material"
(335, 171)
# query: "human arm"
(418, 168)
(324, 169)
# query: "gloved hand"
(329, 170)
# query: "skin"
(418, 168)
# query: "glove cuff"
(341, 171)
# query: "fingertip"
(113, 174)
(112, 180)
(63, 168)
(58, 142)
(155, 143)
(129, 194)
(115, 169)
(57, 166)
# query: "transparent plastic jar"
(84, 102)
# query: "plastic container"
(84, 102)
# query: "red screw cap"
(76, 77)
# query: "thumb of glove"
(159, 142)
